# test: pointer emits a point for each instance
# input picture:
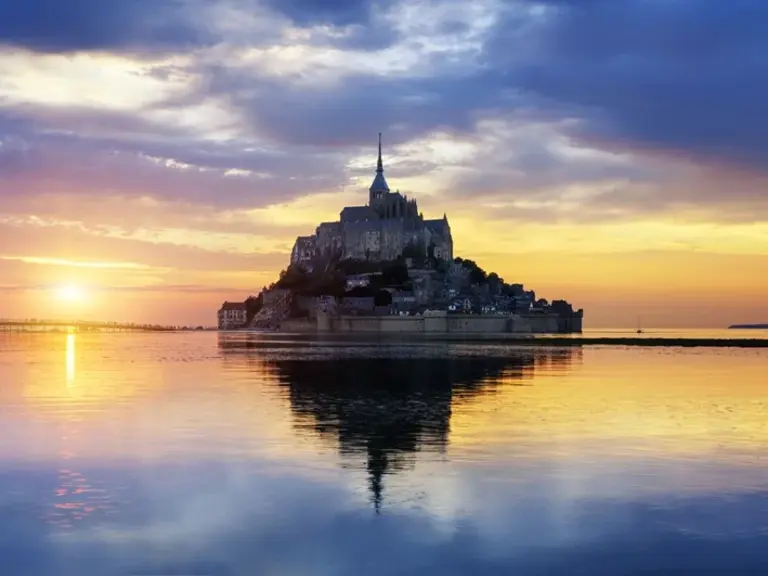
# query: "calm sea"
(207, 454)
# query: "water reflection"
(385, 410)
(70, 359)
(200, 454)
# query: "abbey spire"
(379, 187)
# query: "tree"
(477, 275)
(495, 283)
(292, 277)
(382, 298)
(253, 305)
(394, 275)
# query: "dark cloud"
(160, 26)
(340, 13)
(354, 111)
(689, 76)
(117, 25)
(354, 24)
(375, 36)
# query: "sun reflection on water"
(70, 359)
(416, 428)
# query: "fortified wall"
(442, 323)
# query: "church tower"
(379, 188)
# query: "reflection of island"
(387, 409)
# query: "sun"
(70, 293)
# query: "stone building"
(304, 251)
(232, 315)
(381, 230)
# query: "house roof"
(357, 214)
(233, 306)
(435, 225)
(379, 183)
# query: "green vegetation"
(332, 280)
(476, 274)
(253, 305)
(302, 283)
(496, 284)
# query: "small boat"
(639, 330)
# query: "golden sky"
(150, 171)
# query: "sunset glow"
(71, 293)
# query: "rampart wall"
(446, 324)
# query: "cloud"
(97, 153)
(351, 116)
(686, 77)
(92, 25)
(159, 249)
(234, 114)
(334, 12)
(76, 263)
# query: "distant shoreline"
(748, 327)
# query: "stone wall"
(362, 305)
(572, 323)
(380, 239)
(303, 250)
(381, 324)
(473, 324)
(329, 240)
(361, 240)
(436, 322)
(297, 326)
(441, 324)
(535, 324)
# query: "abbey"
(381, 230)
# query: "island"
(384, 268)
(748, 327)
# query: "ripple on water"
(252, 453)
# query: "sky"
(160, 156)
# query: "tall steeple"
(379, 187)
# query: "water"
(227, 455)
(703, 333)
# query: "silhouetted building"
(383, 229)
